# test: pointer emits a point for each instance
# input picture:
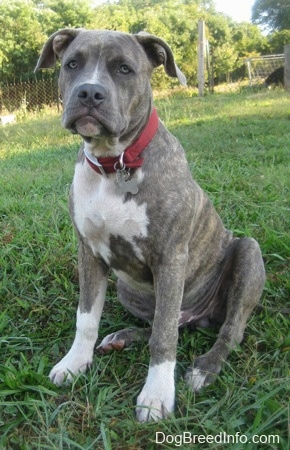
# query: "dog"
(276, 78)
(137, 211)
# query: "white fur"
(95, 77)
(100, 211)
(81, 353)
(156, 399)
(196, 379)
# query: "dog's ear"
(55, 46)
(159, 52)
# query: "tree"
(248, 39)
(273, 15)
(26, 24)
(278, 40)
(20, 40)
(56, 14)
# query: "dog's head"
(105, 79)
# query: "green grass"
(238, 148)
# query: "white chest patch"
(100, 212)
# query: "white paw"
(196, 379)
(70, 365)
(81, 353)
(154, 408)
(156, 399)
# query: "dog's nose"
(92, 94)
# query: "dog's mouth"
(87, 126)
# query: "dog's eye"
(72, 64)
(124, 69)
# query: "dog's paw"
(63, 371)
(150, 408)
(156, 400)
(111, 342)
(197, 379)
(204, 371)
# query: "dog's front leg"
(93, 284)
(156, 399)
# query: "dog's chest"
(102, 216)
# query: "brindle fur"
(177, 263)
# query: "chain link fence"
(30, 96)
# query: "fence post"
(287, 67)
(248, 63)
(200, 51)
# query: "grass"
(237, 146)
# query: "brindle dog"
(137, 211)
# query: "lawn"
(238, 148)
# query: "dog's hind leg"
(241, 290)
(123, 338)
(141, 305)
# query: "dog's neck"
(127, 157)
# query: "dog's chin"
(88, 127)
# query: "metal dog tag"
(126, 184)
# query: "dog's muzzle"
(90, 96)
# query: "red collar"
(130, 156)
